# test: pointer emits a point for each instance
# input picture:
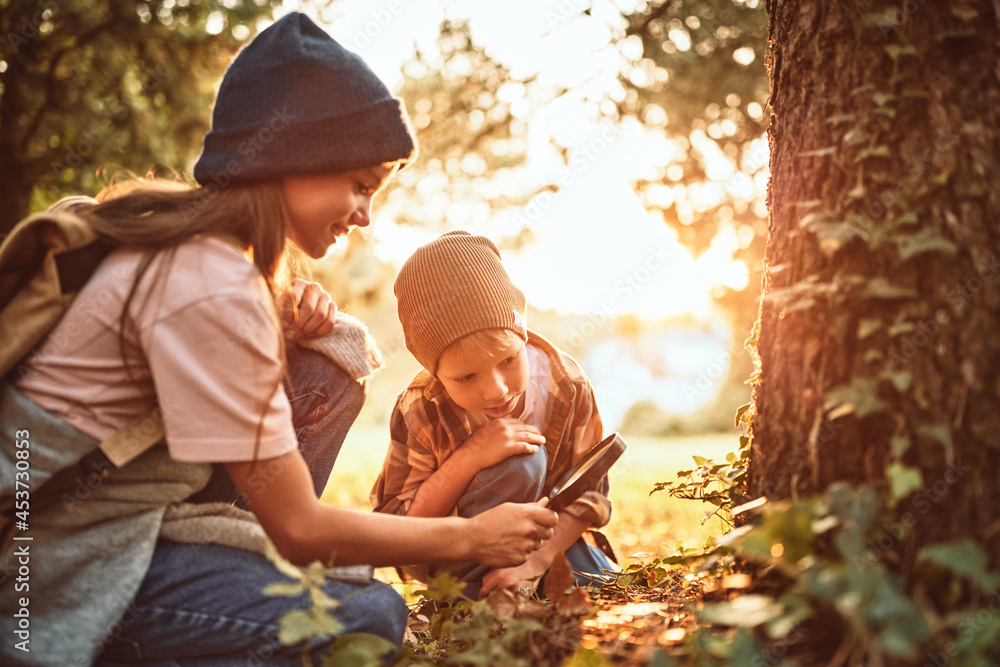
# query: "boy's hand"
(501, 438)
(510, 532)
(521, 576)
(306, 310)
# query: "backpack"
(44, 261)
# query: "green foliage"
(466, 632)
(833, 567)
(128, 85)
(721, 484)
(318, 619)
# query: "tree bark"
(878, 345)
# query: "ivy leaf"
(966, 559)
(862, 394)
(819, 152)
(941, 433)
(743, 414)
(926, 240)
(868, 326)
(300, 625)
(903, 481)
(289, 589)
(899, 445)
(880, 288)
(745, 611)
(359, 648)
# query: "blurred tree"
(470, 139)
(877, 347)
(116, 83)
(695, 68)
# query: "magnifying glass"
(586, 474)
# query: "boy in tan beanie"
(498, 415)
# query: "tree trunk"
(879, 349)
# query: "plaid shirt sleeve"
(587, 430)
(411, 458)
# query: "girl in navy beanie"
(190, 312)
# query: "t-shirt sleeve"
(218, 373)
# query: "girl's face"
(323, 207)
(490, 380)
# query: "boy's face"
(489, 379)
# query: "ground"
(623, 624)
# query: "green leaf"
(745, 611)
(359, 649)
(299, 625)
(897, 50)
(856, 136)
(941, 433)
(862, 393)
(899, 445)
(926, 240)
(903, 481)
(868, 326)
(901, 380)
(841, 118)
(966, 559)
(699, 460)
(880, 288)
(284, 566)
(819, 152)
(289, 589)
(874, 151)
(881, 99)
(743, 414)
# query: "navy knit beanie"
(294, 101)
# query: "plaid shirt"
(427, 426)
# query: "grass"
(640, 523)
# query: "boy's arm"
(488, 445)
(594, 506)
(408, 463)
(412, 483)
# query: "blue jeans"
(518, 479)
(204, 605)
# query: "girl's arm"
(279, 492)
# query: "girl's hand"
(500, 438)
(507, 534)
(306, 310)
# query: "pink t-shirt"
(205, 343)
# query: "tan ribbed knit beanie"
(452, 287)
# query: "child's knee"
(517, 479)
